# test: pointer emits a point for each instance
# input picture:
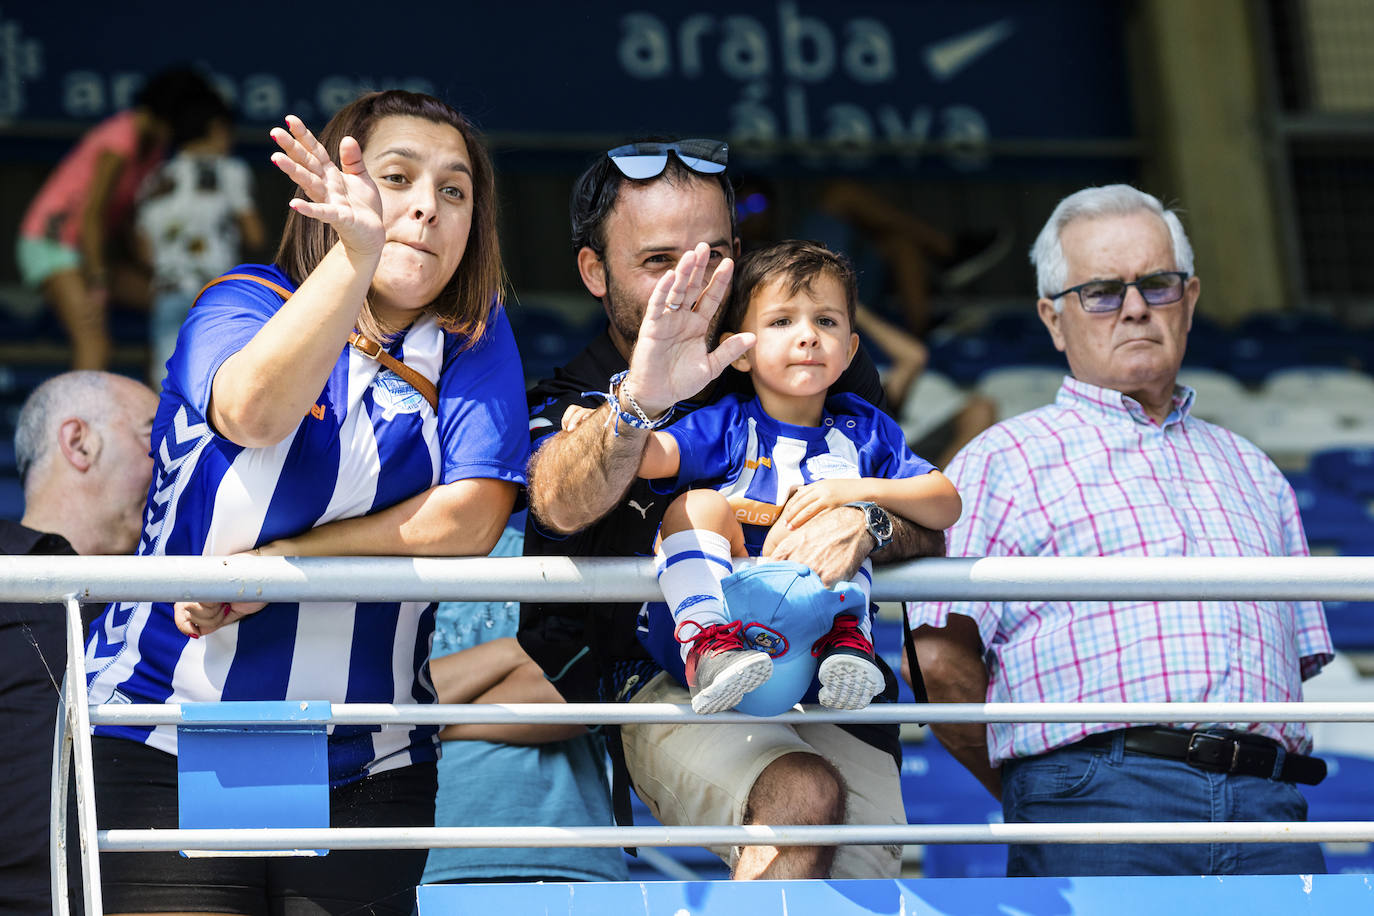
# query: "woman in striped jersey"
(362, 395)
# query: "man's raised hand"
(673, 359)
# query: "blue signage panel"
(865, 74)
(1338, 895)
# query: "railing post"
(79, 727)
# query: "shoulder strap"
(918, 682)
(360, 342)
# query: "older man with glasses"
(637, 212)
(1118, 466)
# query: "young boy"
(194, 214)
(779, 459)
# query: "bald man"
(82, 451)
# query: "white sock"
(864, 579)
(691, 565)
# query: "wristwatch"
(878, 521)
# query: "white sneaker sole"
(849, 682)
(730, 686)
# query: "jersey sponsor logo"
(317, 411)
(754, 512)
(394, 395)
(751, 464)
(823, 467)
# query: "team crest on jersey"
(394, 394)
(823, 467)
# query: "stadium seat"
(1269, 342)
(1220, 398)
(1317, 385)
(1351, 624)
(1293, 434)
(11, 499)
(936, 789)
(1335, 521)
(1347, 794)
(1017, 389)
(1350, 470)
(933, 400)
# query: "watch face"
(880, 523)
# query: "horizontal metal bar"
(882, 713)
(248, 578)
(747, 835)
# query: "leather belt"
(1216, 751)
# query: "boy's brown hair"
(796, 264)
(475, 290)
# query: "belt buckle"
(1207, 751)
(367, 346)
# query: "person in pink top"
(64, 239)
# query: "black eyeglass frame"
(1182, 275)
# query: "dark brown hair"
(477, 286)
(794, 263)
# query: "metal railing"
(74, 579)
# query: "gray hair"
(84, 394)
(1047, 254)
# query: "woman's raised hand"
(344, 196)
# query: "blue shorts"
(39, 259)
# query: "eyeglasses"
(1098, 296)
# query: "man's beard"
(624, 314)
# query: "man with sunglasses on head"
(1119, 466)
(637, 212)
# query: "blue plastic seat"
(1347, 794)
(1335, 521)
(936, 789)
(11, 499)
(1349, 470)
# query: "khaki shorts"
(701, 775)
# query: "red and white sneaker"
(850, 678)
(721, 668)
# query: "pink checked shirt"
(1094, 475)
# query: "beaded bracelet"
(638, 419)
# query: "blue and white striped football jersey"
(735, 447)
(370, 441)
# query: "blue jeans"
(1080, 784)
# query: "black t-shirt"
(590, 651)
(33, 658)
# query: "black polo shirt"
(590, 651)
(33, 658)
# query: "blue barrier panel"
(1288, 894)
(273, 772)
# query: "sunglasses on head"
(650, 158)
